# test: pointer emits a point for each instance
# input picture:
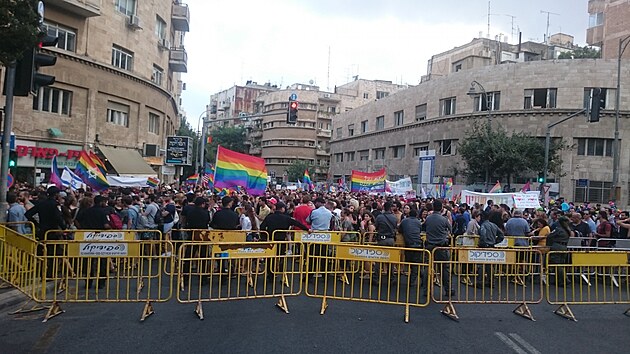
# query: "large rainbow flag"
(90, 173)
(307, 180)
(234, 169)
(368, 181)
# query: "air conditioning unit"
(327, 95)
(164, 44)
(151, 150)
(134, 22)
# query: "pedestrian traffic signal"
(28, 79)
(596, 105)
(292, 114)
(541, 177)
(12, 159)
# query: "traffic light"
(27, 77)
(12, 158)
(541, 177)
(596, 105)
(292, 114)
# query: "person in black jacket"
(557, 240)
(50, 217)
(279, 221)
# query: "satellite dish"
(311, 82)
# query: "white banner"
(471, 198)
(400, 187)
(526, 201)
(131, 182)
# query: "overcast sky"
(288, 41)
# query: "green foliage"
(295, 171)
(581, 53)
(232, 138)
(18, 29)
(505, 156)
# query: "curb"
(15, 296)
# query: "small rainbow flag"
(235, 169)
(192, 179)
(153, 182)
(496, 188)
(368, 181)
(307, 179)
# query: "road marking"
(510, 343)
(43, 343)
(524, 343)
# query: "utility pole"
(547, 32)
(6, 141)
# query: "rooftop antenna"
(513, 28)
(547, 32)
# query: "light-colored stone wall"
(570, 77)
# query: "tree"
(19, 26)
(506, 156)
(295, 171)
(581, 53)
(232, 138)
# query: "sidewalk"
(11, 296)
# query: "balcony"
(178, 60)
(255, 150)
(180, 17)
(322, 152)
(83, 8)
(324, 133)
(255, 134)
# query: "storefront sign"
(179, 150)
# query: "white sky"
(288, 41)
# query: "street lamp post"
(472, 91)
(623, 44)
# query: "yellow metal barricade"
(488, 276)
(211, 272)
(106, 266)
(29, 225)
(20, 266)
(384, 282)
(587, 278)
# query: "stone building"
(436, 115)
(608, 23)
(117, 88)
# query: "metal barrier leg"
(199, 310)
(282, 304)
(449, 311)
(53, 311)
(148, 310)
(565, 312)
(627, 313)
(23, 309)
(523, 311)
(324, 306)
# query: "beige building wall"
(569, 77)
(608, 23)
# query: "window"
(421, 112)
(606, 96)
(381, 94)
(364, 155)
(540, 98)
(332, 109)
(399, 118)
(398, 152)
(338, 135)
(339, 157)
(350, 156)
(379, 154)
(118, 114)
(67, 37)
(160, 27)
(458, 67)
(364, 126)
(596, 19)
(493, 102)
(418, 149)
(380, 123)
(127, 7)
(158, 75)
(351, 130)
(122, 58)
(154, 123)
(594, 147)
(447, 106)
(53, 100)
(593, 192)
(446, 147)
(366, 95)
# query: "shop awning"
(127, 162)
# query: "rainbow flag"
(192, 179)
(307, 180)
(235, 169)
(153, 182)
(368, 181)
(496, 188)
(90, 173)
(98, 163)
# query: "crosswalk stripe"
(524, 343)
(510, 343)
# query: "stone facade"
(569, 77)
(93, 83)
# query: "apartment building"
(608, 23)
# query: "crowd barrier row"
(199, 266)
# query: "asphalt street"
(257, 325)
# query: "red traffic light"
(294, 105)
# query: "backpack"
(335, 223)
(140, 221)
(158, 219)
(459, 226)
(115, 221)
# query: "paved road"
(258, 326)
